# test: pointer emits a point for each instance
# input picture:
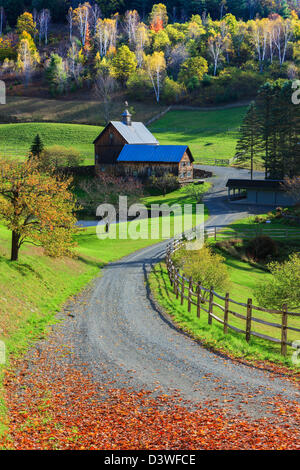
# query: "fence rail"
(248, 233)
(220, 308)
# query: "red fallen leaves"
(53, 408)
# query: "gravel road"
(124, 337)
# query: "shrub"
(203, 266)
(262, 247)
(59, 156)
(173, 91)
(165, 183)
(284, 286)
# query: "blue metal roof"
(152, 153)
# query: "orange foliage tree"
(158, 17)
(37, 208)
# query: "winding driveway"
(125, 338)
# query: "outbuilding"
(262, 192)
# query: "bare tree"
(95, 14)
(106, 34)
(130, 25)
(175, 57)
(70, 22)
(282, 33)
(47, 22)
(75, 66)
(104, 87)
(81, 19)
(43, 20)
(216, 45)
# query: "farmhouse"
(264, 192)
(127, 148)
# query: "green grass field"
(210, 134)
(17, 138)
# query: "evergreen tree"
(279, 121)
(37, 146)
(264, 105)
(249, 145)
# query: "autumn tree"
(123, 64)
(25, 23)
(193, 67)
(81, 20)
(131, 22)
(155, 65)
(158, 17)
(217, 43)
(27, 56)
(105, 35)
(141, 40)
(37, 208)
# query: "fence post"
(182, 290)
(175, 280)
(215, 233)
(177, 284)
(248, 321)
(210, 309)
(226, 311)
(284, 330)
(190, 294)
(198, 299)
(172, 274)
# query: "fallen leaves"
(58, 406)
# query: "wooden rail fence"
(208, 301)
(227, 232)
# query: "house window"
(111, 138)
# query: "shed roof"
(136, 133)
(267, 185)
(153, 153)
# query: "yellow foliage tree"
(37, 208)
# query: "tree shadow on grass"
(23, 268)
(92, 262)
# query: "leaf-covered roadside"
(56, 405)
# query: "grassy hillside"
(16, 139)
(210, 134)
(82, 110)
